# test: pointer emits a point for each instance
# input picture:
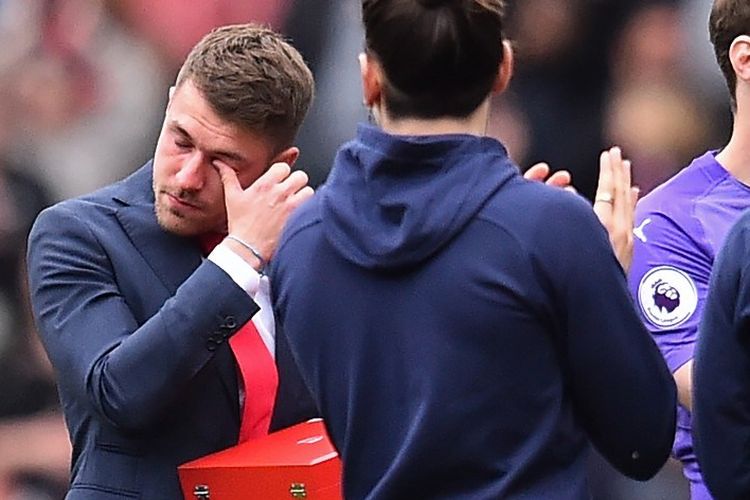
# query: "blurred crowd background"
(84, 84)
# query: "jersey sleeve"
(669, 280)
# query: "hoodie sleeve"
(622, 391)
(721, 374)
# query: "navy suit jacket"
(136, 324)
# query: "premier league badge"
(667, 296)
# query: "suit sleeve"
(623, 393)
(129, 373)
(721, 373)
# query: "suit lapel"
(172, 258)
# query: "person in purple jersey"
(680, 227)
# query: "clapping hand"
(615, 201)
(541, 172)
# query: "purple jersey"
(680, 227)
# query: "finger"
(228, 178)
(604, 186)
(635, 192)
(626, 254)
(625, 208)
(571, 189)
(301, 196)
(561, 178)
(275, 173)
(537, 172)
(620, 192)
(296, 181)
(603, 209)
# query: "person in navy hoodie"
(466, 333)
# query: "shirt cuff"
(236, 267)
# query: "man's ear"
(288, 156)
(372, 79)
(505, 71)
(739, 56)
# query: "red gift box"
(297, 462)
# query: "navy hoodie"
(721, 375)
(466, 332)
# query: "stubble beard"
(174, 222)
(168, 220)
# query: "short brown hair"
(729, 19)
(252, 77)
(440, 57)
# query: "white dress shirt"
(257, 287)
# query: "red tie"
(259, 379)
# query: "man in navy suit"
(136, 319)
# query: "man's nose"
(191, 175)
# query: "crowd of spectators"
(83, 85)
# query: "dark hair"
(440, 57)
(252, 77)
(729, 19)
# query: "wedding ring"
(605, 198)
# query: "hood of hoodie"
(392, 201)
